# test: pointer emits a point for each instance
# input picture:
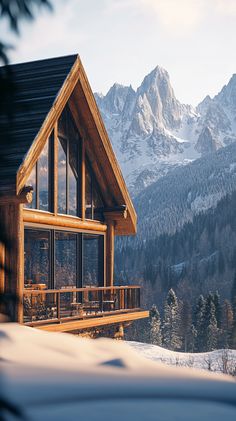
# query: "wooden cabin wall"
(12, 281)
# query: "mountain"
(152, 132)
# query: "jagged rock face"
(207, 142)
(150, 129)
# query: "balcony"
(79, 308)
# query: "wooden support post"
(110, 253)
(14, 279)
(55, 169)
(83, 179)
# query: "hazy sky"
(123, 40)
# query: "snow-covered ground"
(222, 360)
(57, 376)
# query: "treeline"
(205, 326)
(198, 258)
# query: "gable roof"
(40, 91)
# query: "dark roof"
(25, 100)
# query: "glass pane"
(65, 259)
(32, 182)
(88, 196)
(73, 177)
(37, 269)
(97, 203)
(43, 176)
(92, 260)
(62, 176)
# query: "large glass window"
(40, 181)
(65, 259)
(93, 259)
(62, 176)
(68, 165)
(43, 178)
(37, 258)
(60, 259)
(93, 202)
(32, 182)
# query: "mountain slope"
(152, 132)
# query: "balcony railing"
(60, 305)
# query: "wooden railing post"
(58, 306)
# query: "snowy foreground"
(57, 376)
(222, 360)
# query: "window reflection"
(88, 195)
(37, 272)
(68, 164)
(92, 260)
(43, 177)
(65, 259)
(93, 201)
(32, 182)
(62, 176)
(73, 177)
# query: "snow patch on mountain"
(152, 132)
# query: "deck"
(69, 309)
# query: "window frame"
(79, 252)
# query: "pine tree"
(155, 326)
(171, 323)
(199, 314)
(210, 325)
(233, 290)
(218, 309)
(186, 326)
(233, 332)
(227, 323)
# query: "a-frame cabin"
(62, 199)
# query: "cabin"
(62, 201)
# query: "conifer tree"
(218, 309)
(155, 326)
(233, 332)
(210, 325)
(233, 290)
(171, 323)
(186, 325)
(199, 324)
(227, 323)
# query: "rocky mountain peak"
(207, 142)
(227, 96)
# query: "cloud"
(225, 7)
(176, 14)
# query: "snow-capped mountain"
(152, 132)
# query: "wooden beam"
(55, 169)
(110, 252)
(25, 196)
(115, 215)
(14, 279)
(83, 179)
(65, 221)
(95, 322)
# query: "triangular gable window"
(39, 180)
(65, 171)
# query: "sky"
(123, 40)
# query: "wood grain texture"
(95, 322)
(64, 221)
